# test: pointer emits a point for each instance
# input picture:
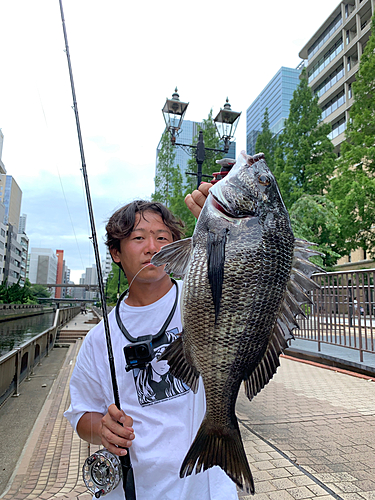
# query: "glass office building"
(189, 131)
(276, 96)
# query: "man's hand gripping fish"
(245, 278)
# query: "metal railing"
(19, 363)
(343, 311)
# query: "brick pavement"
(308, 434)
(322, 421)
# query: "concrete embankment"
(15, 311)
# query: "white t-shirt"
(166, 413)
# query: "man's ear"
(115, 255)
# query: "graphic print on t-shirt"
(154, 383)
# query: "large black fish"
(245, 276)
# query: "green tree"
(353, 192)
(212, 141)
(305, 158)
(26, 294)
(316, 219)
(165, 171)
(353, 188)
(266, 143)
(116, 283)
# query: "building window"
(332, 105)
(350, 91)
(326, 35)
(337, 128)
(325, 60)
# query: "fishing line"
(96, 466)
(149, 264)
(61, 184)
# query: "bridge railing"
(343, 313)
(19, 363)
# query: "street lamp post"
(226, 123)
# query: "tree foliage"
(353, 188)
(266, 143)
(27, 294)
(305, 158)
(212, 141)
(165, 171)
(353, 192)
(116, 283)
(316, 219)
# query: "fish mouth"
(225, 210)
(219, 206)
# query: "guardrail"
(19, 363)
(343, 313)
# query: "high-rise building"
(91, 278)
(2, 167)
(43, 266)
(11, 197)
(106, 265)
(332, 60)
(23, 240)
(14, 269)
(276, 97)
(60, 274)
(22, 224)
(3, 240)
(189, 131)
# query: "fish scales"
(235, 283)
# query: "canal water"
(16, 331)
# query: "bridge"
(70, 300)
(68, 285)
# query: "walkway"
(308, 434)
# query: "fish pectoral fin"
(215, 262)
(179, 366)
(257, 378)
(176, 256)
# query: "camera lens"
(142, 351)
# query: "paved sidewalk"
(308, 434)
(321, 422)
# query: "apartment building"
(332, 58)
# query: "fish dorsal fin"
(297, 294)
(176, 256)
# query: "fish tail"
(222, 447)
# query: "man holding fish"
(162, 427)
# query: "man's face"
(146, 239)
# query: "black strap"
(163, 328)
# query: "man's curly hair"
(122, 222)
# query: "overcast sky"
(127, 57)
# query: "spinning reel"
(102, 472)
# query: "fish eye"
(264, 180)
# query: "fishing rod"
(102, 465)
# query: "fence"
(19, 363)
(343, 311)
